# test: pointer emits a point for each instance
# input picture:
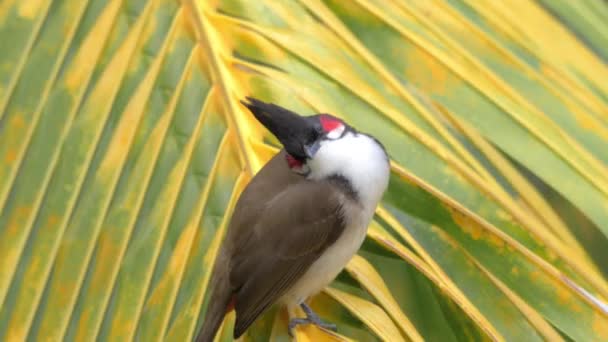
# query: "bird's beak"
(298, 134)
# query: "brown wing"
(291, 233)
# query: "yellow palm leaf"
(123, 149)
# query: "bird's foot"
(311, 318)
(302, 321)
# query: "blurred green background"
(123, 148)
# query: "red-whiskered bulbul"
(300, 219)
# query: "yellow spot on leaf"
(534, 275)
(17, 121)
(5, 6)
(466, 223)
(496, 241)
(73, 79)
(600, 327)
(587, 122)
(475, 229)
(515, 270)
(15, 334)
(10, 156)
(29, 8)
(426, 72)
(551, 255)
(563, 295)
(20, 215)
(52, 221)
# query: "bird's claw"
(295, 322)
(311, 318)
(328, 326)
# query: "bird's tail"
(219, 301)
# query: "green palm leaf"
(123, 149)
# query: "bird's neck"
(358, 160)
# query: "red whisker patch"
(231, 304)
(293, 162)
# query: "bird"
(299, 220)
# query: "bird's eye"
(315, 135)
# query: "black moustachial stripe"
(345, 184)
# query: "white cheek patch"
(336, 132)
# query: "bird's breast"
(334, 259)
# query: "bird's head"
(325, 147)
(301, 136)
